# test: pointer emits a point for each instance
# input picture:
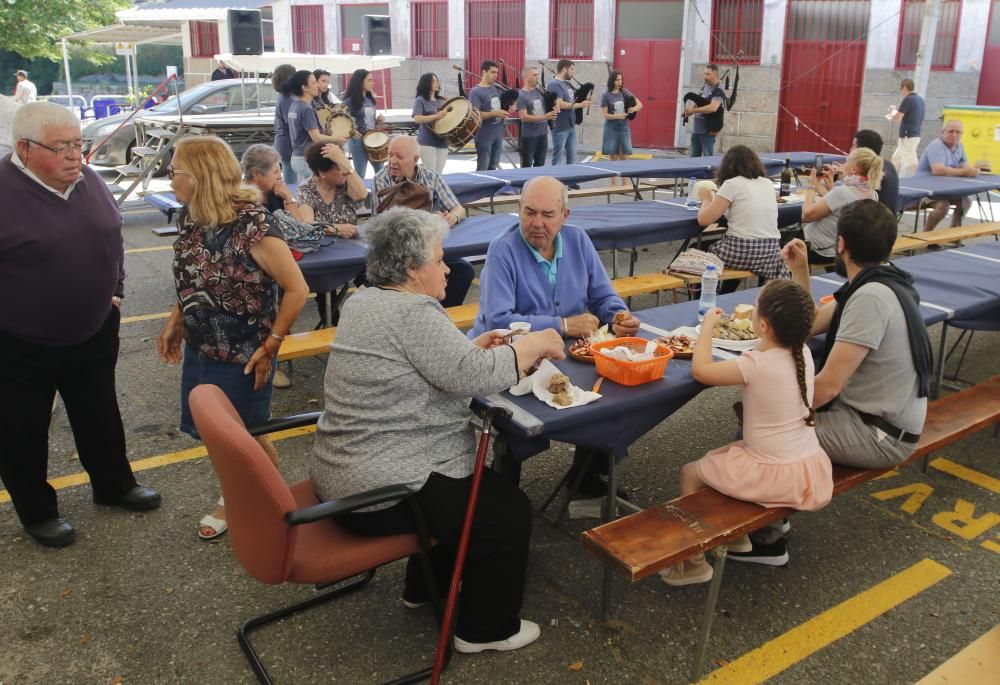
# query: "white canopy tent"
(136, 34)
(335, 64)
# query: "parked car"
(215, 97)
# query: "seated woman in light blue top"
(546, 273)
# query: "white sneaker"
(586, 508)
(687, 573)
(528, 633)
(742, 544)
(281, 379)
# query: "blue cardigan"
(514, 287)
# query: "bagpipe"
(628, 99)
(715, 120)
(507, 98)
(584, 91)
(548, 98)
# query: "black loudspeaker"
(245, 34)
(376, 38)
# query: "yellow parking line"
(965, 473)
(136, 250)
(160, 460)
(800, 642)
(145, 317)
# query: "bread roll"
(559, 383)
(743, 311)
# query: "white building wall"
(604, 30)
(399, 26)
(536, 30)
(456, 29)
(773, 36)
(972, 35)
(883, 35)
(281, 11)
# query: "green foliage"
(34, 28)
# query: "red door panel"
(989, 77)
(652, 70)
(822, 75)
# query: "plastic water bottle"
(709, 284)
(692, 200)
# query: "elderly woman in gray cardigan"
(398, 384)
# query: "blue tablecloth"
(671, 167)
(800, 159)
(949, 186)
(469, 187)
(625, 414)
(567, 173)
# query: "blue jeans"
(488, 154)
(359, 157)
(702, 145)
(564, 147)
(287, 172)
(459, 281)
(533, 150)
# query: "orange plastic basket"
(631, 373)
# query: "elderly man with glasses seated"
(62, 269)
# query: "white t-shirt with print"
(753, 210)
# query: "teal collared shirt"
(551, 269)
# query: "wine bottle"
(786, 178)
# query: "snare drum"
(335, 122)
(460, 124)
(376, 144)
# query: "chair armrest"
(343, 505)
(284, 423)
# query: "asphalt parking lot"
(140, 599)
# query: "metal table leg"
(709, 617)
(939, 372)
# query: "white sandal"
(216, 525)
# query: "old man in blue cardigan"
(549, 274)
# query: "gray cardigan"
(398, 384)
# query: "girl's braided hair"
(790, 311)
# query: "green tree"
(33, 28)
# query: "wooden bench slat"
(905, 243)
(951, 235)
(646, 542)
(726, 275)
(629, 286)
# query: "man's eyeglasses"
(171, 172)
(61, 150)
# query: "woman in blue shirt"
(360, 100)
(617, 143)
(427, 109)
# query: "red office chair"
(283, 534)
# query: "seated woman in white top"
(746, 198)
(823, 201)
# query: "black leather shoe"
(52, 533)
(139, 498)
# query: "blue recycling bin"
(103, 107)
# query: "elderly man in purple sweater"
(549, 274)
(61, 253)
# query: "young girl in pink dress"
(779, 462)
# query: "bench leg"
(706, 621)
(939, 372)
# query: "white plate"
(732, 345)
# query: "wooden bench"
(312, 343)
(971, 665)
(905, 243)
(953, 235)
(726, 275)
(641, 544)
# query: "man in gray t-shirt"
(870, 378)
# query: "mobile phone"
(819, 164)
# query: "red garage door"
(822, 74)
(494, 30)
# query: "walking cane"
(463, 547)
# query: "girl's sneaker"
(688, 572)
(741, 545)
(775, 554)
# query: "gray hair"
(258, 158)
(31, 120)
(399, 240)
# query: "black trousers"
(489, 604)
(459, 281)
(84, 376)
(533, 150)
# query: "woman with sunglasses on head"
(229, 261)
